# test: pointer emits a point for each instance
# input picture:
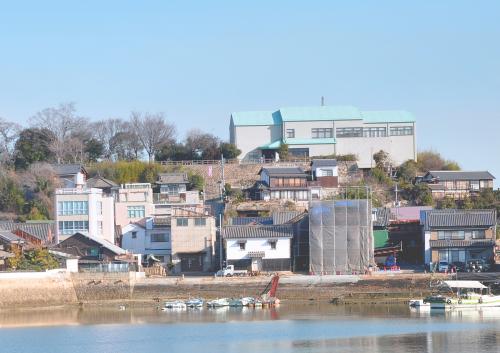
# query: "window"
(136, 211)
(99, 227)
(272, 243)
(374, 132)
(474, 185)
(298, 152)
(134, 235)
(290, 133)
(72, 227)
(451, 234)
(70, 208)
(182, 222)
(158, 238)
(93, 252)
(319, 133)
(325, 172)
(401, 130)
(200, 222)
(475, 234)
(349, 132)
(242, 245)
(99, 207)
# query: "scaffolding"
(341, 235)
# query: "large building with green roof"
(325, 130)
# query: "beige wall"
(249, 138)
(132, 197)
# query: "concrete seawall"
(61, 288)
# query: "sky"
(198, 61)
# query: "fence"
(235, 161)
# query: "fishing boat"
(463, 294)
(218, 303)
(195, 303)
(176, 304)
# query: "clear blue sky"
(199, 61)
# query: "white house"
(150, 238)
(258, 247)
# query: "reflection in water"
(288, 328)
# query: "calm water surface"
(289, 328)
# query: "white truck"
(229, 271)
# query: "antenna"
(322, 101)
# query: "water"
(289, 328)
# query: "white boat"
(419, 304)
(176, 304)
(218, 303)
(195, 303)
(464, 295)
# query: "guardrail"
(235, 161)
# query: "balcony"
(462, 243)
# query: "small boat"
(246, 301)
(419, 303)
(218, 303)
(176, 304)
(235, 302)
(195, 303)
(463, 295)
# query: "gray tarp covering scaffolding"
(340, 236)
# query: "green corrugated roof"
(256, 118)
(380, 238)
(320, 113)
(271, 146)
(298, 141)
(388, 116)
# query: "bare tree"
(65, 125)
(105, 131)
(153, 131)
(9, 132)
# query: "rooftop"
(172, 178)
(258, 231)
(99, 182)
(284, 171)
(323, 163)
(43, 230)
(458, 218)
(319, 113)
(68, 169)
(460, 175)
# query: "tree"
(430, 160)
(447, 202)
(126, 145)
(9, 132)
(196, 181)
(202, 145)
(94, 149)
(229, 150)
(153, 131)
(283, 151)
(173, 152)
(105, 131)
(420, 194)
(408, 171)
(33, 145)
(11, 195)
(65, 126)
(381, 159)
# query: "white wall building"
(259, 247)
(84, 210)
(133, 202)
(325, 130)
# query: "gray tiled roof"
(458, 218)
(282, 217)
(10, 237)
(453, 243)
(461, 175)
(101, 183)
(67, 169)
(41, 230)
(172, 178)
(103, 242)
(240, 221)
(323, 163)
(247, 232)
(285, 171)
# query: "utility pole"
(222, 182)
(397, 204)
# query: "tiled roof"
(453, 243)
(461, 175)
(240, 221)
(410, 213)
(285, 171)
(282, 217)
(323, 163)
(255, 232)
(10, 237)
(68, 169)
(103, 242)
(42, 230)
(172, 178)
(101, 183)
(381, 218)
(458, 218)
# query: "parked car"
(478, 265)
(229, 271)
(443, 266)
(457, 266)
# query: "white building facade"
(325, 130)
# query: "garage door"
(191, 263)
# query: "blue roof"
(319, 113)
(387, 116)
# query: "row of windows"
(272, 244)
(72, 227)
(70, 208)
(460, 234)
(401, 131)
(136, 211)
(198, 222)
(319, 133)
